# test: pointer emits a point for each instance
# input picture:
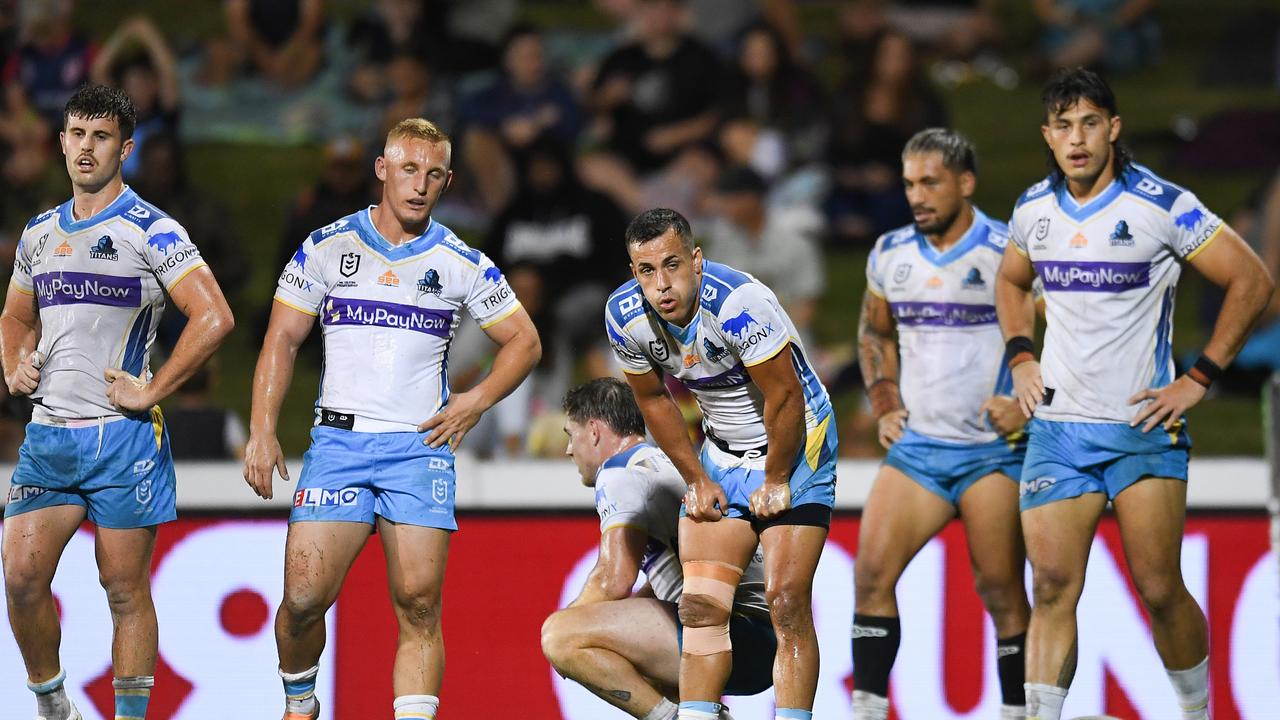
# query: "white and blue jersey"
(1110, 267)
(738, 324)
(99, 284)
(387, 314)
(951, 354)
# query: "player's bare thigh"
(416, 558)
(317, 557)
(728, 540)
(899, 518)
(641, 630)
(33, 543)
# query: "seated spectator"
(524, 102)
(560, 246)
(150, 78)
(51, 61)
(1116, 34)
(778, 245)
(415, 91)
(782, 101)
(652, 101)
(279, 40)
(879, 105)
(200, 429)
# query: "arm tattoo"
(877, 341)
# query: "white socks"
(1013, 712)
(1044, 702)
(664, 710)
(1192, 687)
(869, 706)
(416, 707)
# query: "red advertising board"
(217, 582)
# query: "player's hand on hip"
(128, 393)
(26, 377)
(891, 427)
(262, 456)
(454, 420)
(1028, 386)
(1166, 404)
(770, 500)
(705, 500)
(1005, 414)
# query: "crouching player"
(624, 647)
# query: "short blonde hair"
(418, 129)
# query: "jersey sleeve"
(625, 347)
(753, 323)
(621, 500)
(22, 264)
(1017, 234)
(301, 285)
(875, 270)
(491, 299)
(169, 252)
(1192, 226)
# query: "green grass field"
(258, 182)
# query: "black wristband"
(1205, 371)
(1018, 344)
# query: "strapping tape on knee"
(716, 582)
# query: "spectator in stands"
(653, 102)
(281, 41)
(414, 90)
(883, 100)
(951, 29)
(200, 429)
(780, 246)
(1117, 34)
(149, 74)
(51, 61)
(782, 103)
(524, 102)
(559, 244)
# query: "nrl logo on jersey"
(1042, 228)
(901, 273)
(658, 350)
(349, 264)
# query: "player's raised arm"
(209, 321)
(1226, 261)
(1015, 307)
(286, 331)
(617, 566)
(878, 359)
(519, 350)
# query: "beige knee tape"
(717, 582)
(707, 640)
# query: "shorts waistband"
(358, 423)
(759, 451)
(72, 423)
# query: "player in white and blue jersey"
(88, 288)
(625, 646)
(388, 285)
(767, 469)
(929, 327)
(1108, 239)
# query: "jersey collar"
(972, 237)
(70, 224)
(374, 239)
(1081, 212)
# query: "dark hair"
(93, 101)
(649, 224)
(608, 400)
(958, 153)
(521, 29)
(1069, 86)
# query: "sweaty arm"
(209, 321)
(1231, 265)
(19, 334)
(519, 349)
(1016, 310)
(285, 332)
(783, 414)
(666, 424)
(617, 567)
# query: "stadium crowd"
(781, 145)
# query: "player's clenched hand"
(770, 500)
(128, 393)
(24, 378)
(1005, 414)
(1166, 404)
(451, 424)
(1028, 386)
(262, 456)
(705, 500)
(891, 426)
